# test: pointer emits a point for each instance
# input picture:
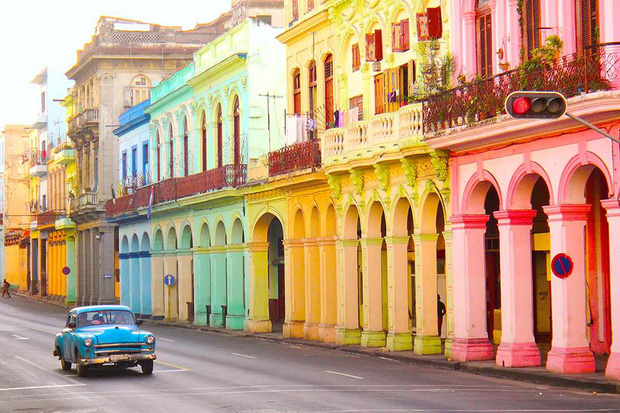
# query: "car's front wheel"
(64, 364)
(147, 366)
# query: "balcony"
(86, 118)
(46, 218)
(65, 154)
(88, 200)
(36, 163)
(592, 70)
(173, 189)
(294, 158)
(388, 132)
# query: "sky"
(35, 34)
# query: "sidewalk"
(594, 382)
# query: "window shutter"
(434, 22)
(355, 57)
(395, 37)
(411, 75)
(378, 46)
(422, 25)
(404, 32)
(370, 47)
(536, 22)
(295, 7)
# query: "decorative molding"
(244, 82)
(383, 176)
(335, 183)
(357, 177)
(410, 169)
(439, 160)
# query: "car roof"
(100, 308)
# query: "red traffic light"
(535, 105)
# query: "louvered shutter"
(378, 45)
(404, 32)
(422, 25)
(395, 37)
(370, 47)
(411, 75)
(295, 7)
(434, 22)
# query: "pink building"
(526, 190)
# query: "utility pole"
(269, 96)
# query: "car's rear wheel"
(147, 366)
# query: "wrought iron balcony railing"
(298, 157)
(591, 70)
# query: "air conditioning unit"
(376, 66)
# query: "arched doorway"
(219, 277)
(350, 286)
(275, 257)
(171, 267)
(492, 266)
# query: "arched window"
(171, 152)
(586, 16)
(185, 149)
(203, 134)
(329, 89)
(138, 90)
(484, 41)
(531, 26)
(236, 133)
(297, 92)
(158, 158)
(220, 133)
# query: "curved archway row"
(135, 271)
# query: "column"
(104, 263)
(372, 333)
(468, 45)
(570, 351)
(518, 347)
(85, 267)
(399, 334)
(329, 289)
(136, 293)
(236, 287)
(186, 292)
(294, 280)
(145, 284)
(312, 288)
(71, 263)
(447, 237)
(202, 284)
(171, 294)
(218, 285)
(613, 218)
(426, 340)
(348, 291)
(471, 340)
(125, 278)
(157, 285)
(258, 311)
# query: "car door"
(67, 338)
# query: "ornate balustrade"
(293, 158)
(588, 71)
(46, 218)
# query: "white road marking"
(344, 374)
(165, 339)
(243, 355)
(386, 358)
(174, 366)
(20, 337)
(169, 371)
(52, 386)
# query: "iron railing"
(294, 158)
(591, 70)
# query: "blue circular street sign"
(562, 265)
(169, 280)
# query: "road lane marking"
(169, 371)
(243, 355)
(165, 339)
(171, 365)
(20, 337)
(51, 386)
(64, 376)
(344, 374)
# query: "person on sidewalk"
(441, 311)
(5, 289)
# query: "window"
(124, 165)
(171, 153)
(329, 90)
(294, 10)
(134, 162)
(138, 91)
(357, 103)
(297, 92)
(220, 133)
(312, 96)
(586, 23)
(203, 130)
(484, 41)
(400, 36)
(145, 162)
(355, 57)
(158, 160)
(374, 46)
(185, 149)
(310, 5)
(429, 24)
(42, 102)
(531, 24)
(236, 133)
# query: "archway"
(171, 267)
(159, 290)
(328, 277)
(492, 266)
(186, 275)
(134, 284)
(295, 314)
(146, 276)
(312, 287)
(219, 277)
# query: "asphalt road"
(209, 372)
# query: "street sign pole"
(591, 126)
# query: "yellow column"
(258, 309)
(427, 339)
(157, 284)
(184, 283)
(312, 260)
(171, 294)
(329, 289)
(348, 293)
(399, 334)
(294, 315)
(372, 333)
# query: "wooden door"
(484, 43)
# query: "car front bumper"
(116, 359)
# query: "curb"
(496, 372)
(41, 300)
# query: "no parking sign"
(562, 265)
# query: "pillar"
(184, 282)
(447, 237)
(426, 340)
(258, 311)
(612, 371)
(125, 278)
(518, 346)
(570, 351)
(71, 263)
(171, 294)
(157, 285)
(328, 287)
(104, 263)
(202, 284)
(218, 285)
(312, 289)
(471, 340)
(134, 263)
(348, 330)
(399, 333)
(295, 307)
(372, 333)
(236, 287)
(145, 284)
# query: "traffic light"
(536, 105)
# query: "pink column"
(570, 351)
(518, 347)
(471, 340)
(613, 218)
(468, 49)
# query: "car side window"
(70, 319)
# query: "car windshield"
(105, 317)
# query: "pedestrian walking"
(441, 311)
(5, 289)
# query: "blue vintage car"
(104, 334)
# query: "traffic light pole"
(591, 126)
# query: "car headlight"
(88, 342)
(150, 340)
